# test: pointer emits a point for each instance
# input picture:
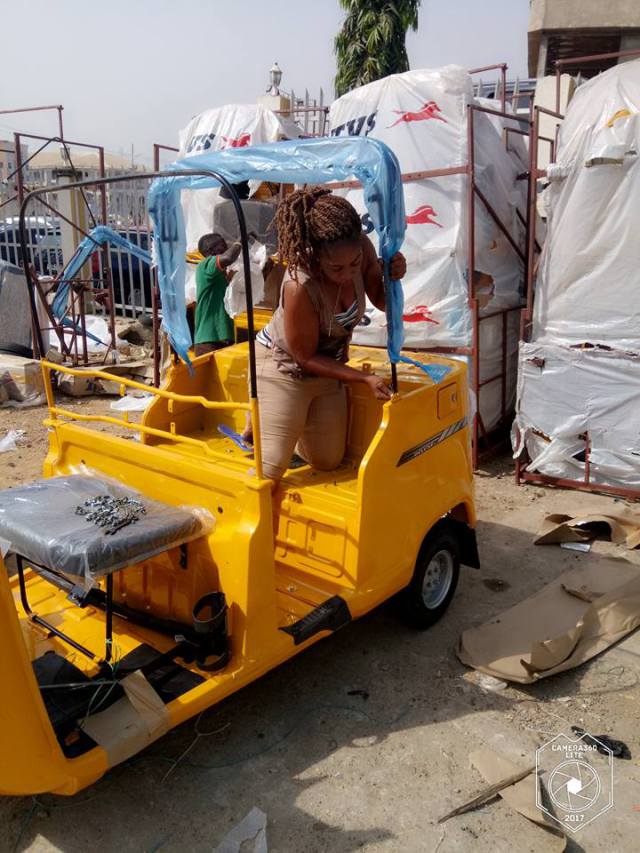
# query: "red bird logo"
(420, 314)
(240, 142)
(423, 215)
(429, 110)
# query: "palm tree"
(371, 43)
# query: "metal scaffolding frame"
(75, 313)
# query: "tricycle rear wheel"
(434, 581)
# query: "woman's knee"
(322, 458)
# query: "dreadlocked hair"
(307, 220)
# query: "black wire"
(303, 718)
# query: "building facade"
(563, 29)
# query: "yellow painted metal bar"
(57, 411)
(48, 390)
(159, 433)
(257, 441)
(131, 383)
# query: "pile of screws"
(112, 514)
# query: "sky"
(133, 72)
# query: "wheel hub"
(437, 579)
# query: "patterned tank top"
(335, 329)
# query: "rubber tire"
(413, 610)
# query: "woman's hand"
(397, 267)
(378, 386)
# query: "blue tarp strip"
(87, 246)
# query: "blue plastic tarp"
(303, 161)
(87, 246)
(310, 161)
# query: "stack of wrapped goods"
(422, 116)
(578, 408)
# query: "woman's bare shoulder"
(298, 290)
(300, 283)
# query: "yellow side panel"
(32, 761)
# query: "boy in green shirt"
(213, 326)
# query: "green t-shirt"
(212, 321)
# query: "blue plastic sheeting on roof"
(87, 246)
(311, 161)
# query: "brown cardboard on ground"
(553, 630)
(131, 723)
(494, 767)
(624, 528)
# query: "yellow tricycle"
(155, 577)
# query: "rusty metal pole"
(83, 322)
(530, 223)
(155, 320)
(532, 193)
(35, 323)
(106, 258)
(155, 289)
(155, 296)
(18, 173)
(587, 458)
(74, 320)
(503, 385)
(471, 262)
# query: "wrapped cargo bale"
(579, 407)
(422, 116)
(578, 404)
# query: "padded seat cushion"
(40, 522)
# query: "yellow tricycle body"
(294, 563)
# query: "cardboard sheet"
(623, 526)
(131, 723)
(553, 630)
(522, 796)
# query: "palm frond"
(371, 42)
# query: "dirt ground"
(363, 741)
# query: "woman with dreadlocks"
(302, 370)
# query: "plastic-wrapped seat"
(40, 522)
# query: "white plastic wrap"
(588, 293)
(565, 393)
(40, 522)
(588, 288)
(235, 297)
(422, 116)
(98, 335)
